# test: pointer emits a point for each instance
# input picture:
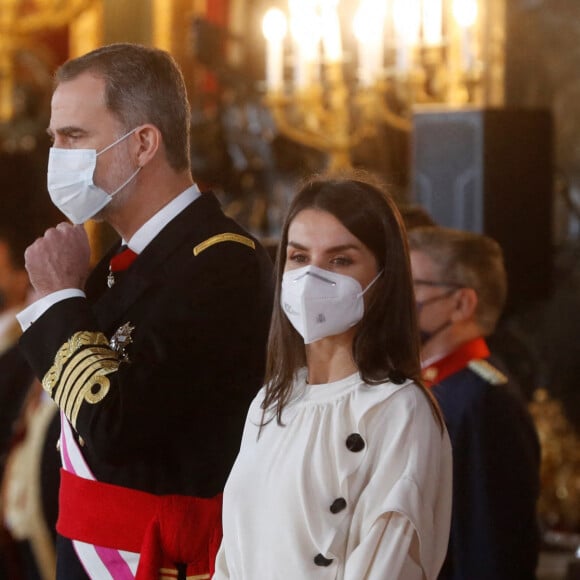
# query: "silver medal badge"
(121, 339)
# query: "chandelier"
(20, 20)
(336, 71)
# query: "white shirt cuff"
(33, 312)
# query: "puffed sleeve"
(401, 520)
(221, 565)
(391, 546)
(253, 418)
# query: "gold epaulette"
(487, 371)
(229, 237)
(430, 374)
(78, 374)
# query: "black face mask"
(424, 335)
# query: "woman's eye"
(342, 261)
(297, 258)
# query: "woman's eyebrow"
(339, 248)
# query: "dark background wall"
(543, 70)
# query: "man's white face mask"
(320, 303)
(70, 181)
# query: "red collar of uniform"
(454, 361)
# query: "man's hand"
(60, 259)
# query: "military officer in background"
(460, 288)
(154, 356)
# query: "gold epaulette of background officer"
(226, 237)
(487, 371)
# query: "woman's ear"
(148, 139)
(466, 301)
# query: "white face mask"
(320, 303)
(70, 181)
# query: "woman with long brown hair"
(345, 465)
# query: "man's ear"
(148, 139)
(466, 301)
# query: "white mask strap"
(125, 183)
(122, 138)
(372, 282)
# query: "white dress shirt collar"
(149, 230)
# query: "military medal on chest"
(120, 262)
(121, 339)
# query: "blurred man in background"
(460, 289)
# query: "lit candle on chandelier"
(305, 29)
(465, 13)
(369, 31)
(274, 29)
(331, 40)
(432, 22)
(407, 22)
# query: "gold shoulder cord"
(488, 372)
(78, 374)
(228, 237)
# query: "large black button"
(320, 560)
(355, 443)
(338, 505)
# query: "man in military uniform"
(460, 287)
(154, 357)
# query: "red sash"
(163, 529)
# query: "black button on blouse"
(397, 378)
(355, 443)
(320, 560)
(338, 505)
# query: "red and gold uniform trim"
(461, 357)
(79, 373)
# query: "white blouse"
(356, 485)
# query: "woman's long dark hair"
(386, 345)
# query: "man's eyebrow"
(67, 131)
